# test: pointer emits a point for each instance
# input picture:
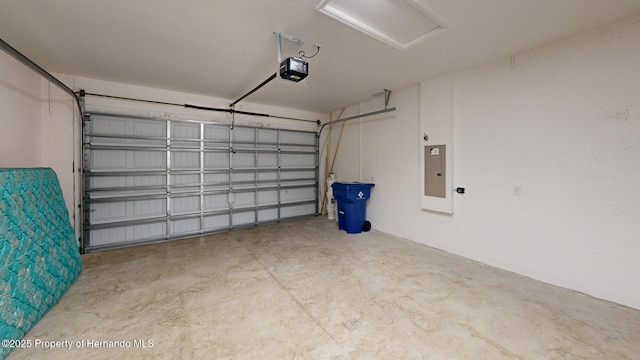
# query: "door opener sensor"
(294, 69)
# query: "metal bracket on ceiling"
(387, 95)
(279, 38)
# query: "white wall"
(58, 113)
(562, 123)
(437, 105)
(346, 144)
(36, 120)
(19, 114)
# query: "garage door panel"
(146, 160)
(216, 160)
(110, 194)
(244, 160)
(246, 178)
(185, 160)
(267, 197)
(218, 133)
(115, 159)
(268, 177)
(244, 199)
(184, 226)
(244, 134)
(243, 219)
(149, 179)
(185, 179)
(181, 130)
(216, 222)
(297, 194)
(216, 202)
(185, 205)
(113, 237)
(125, 127)
(216, 181)
(116, 211)
(296, 160)
(267, 137)
(268, 160)
(297, 176)
(307, 182)
(267, 215)
(126, 181)
(297, 137)
(141, 127)
(294, 211)
(108, 126)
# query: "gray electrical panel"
(434, 171)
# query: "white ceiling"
(224, 48)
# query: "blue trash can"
(352, 201)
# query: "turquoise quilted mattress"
(38, 250)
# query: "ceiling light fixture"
(402, 24)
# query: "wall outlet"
(517, 190)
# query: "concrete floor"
(305, 290)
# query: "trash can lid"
(354, 185)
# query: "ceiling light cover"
(402, 24)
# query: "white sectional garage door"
(148, 180)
